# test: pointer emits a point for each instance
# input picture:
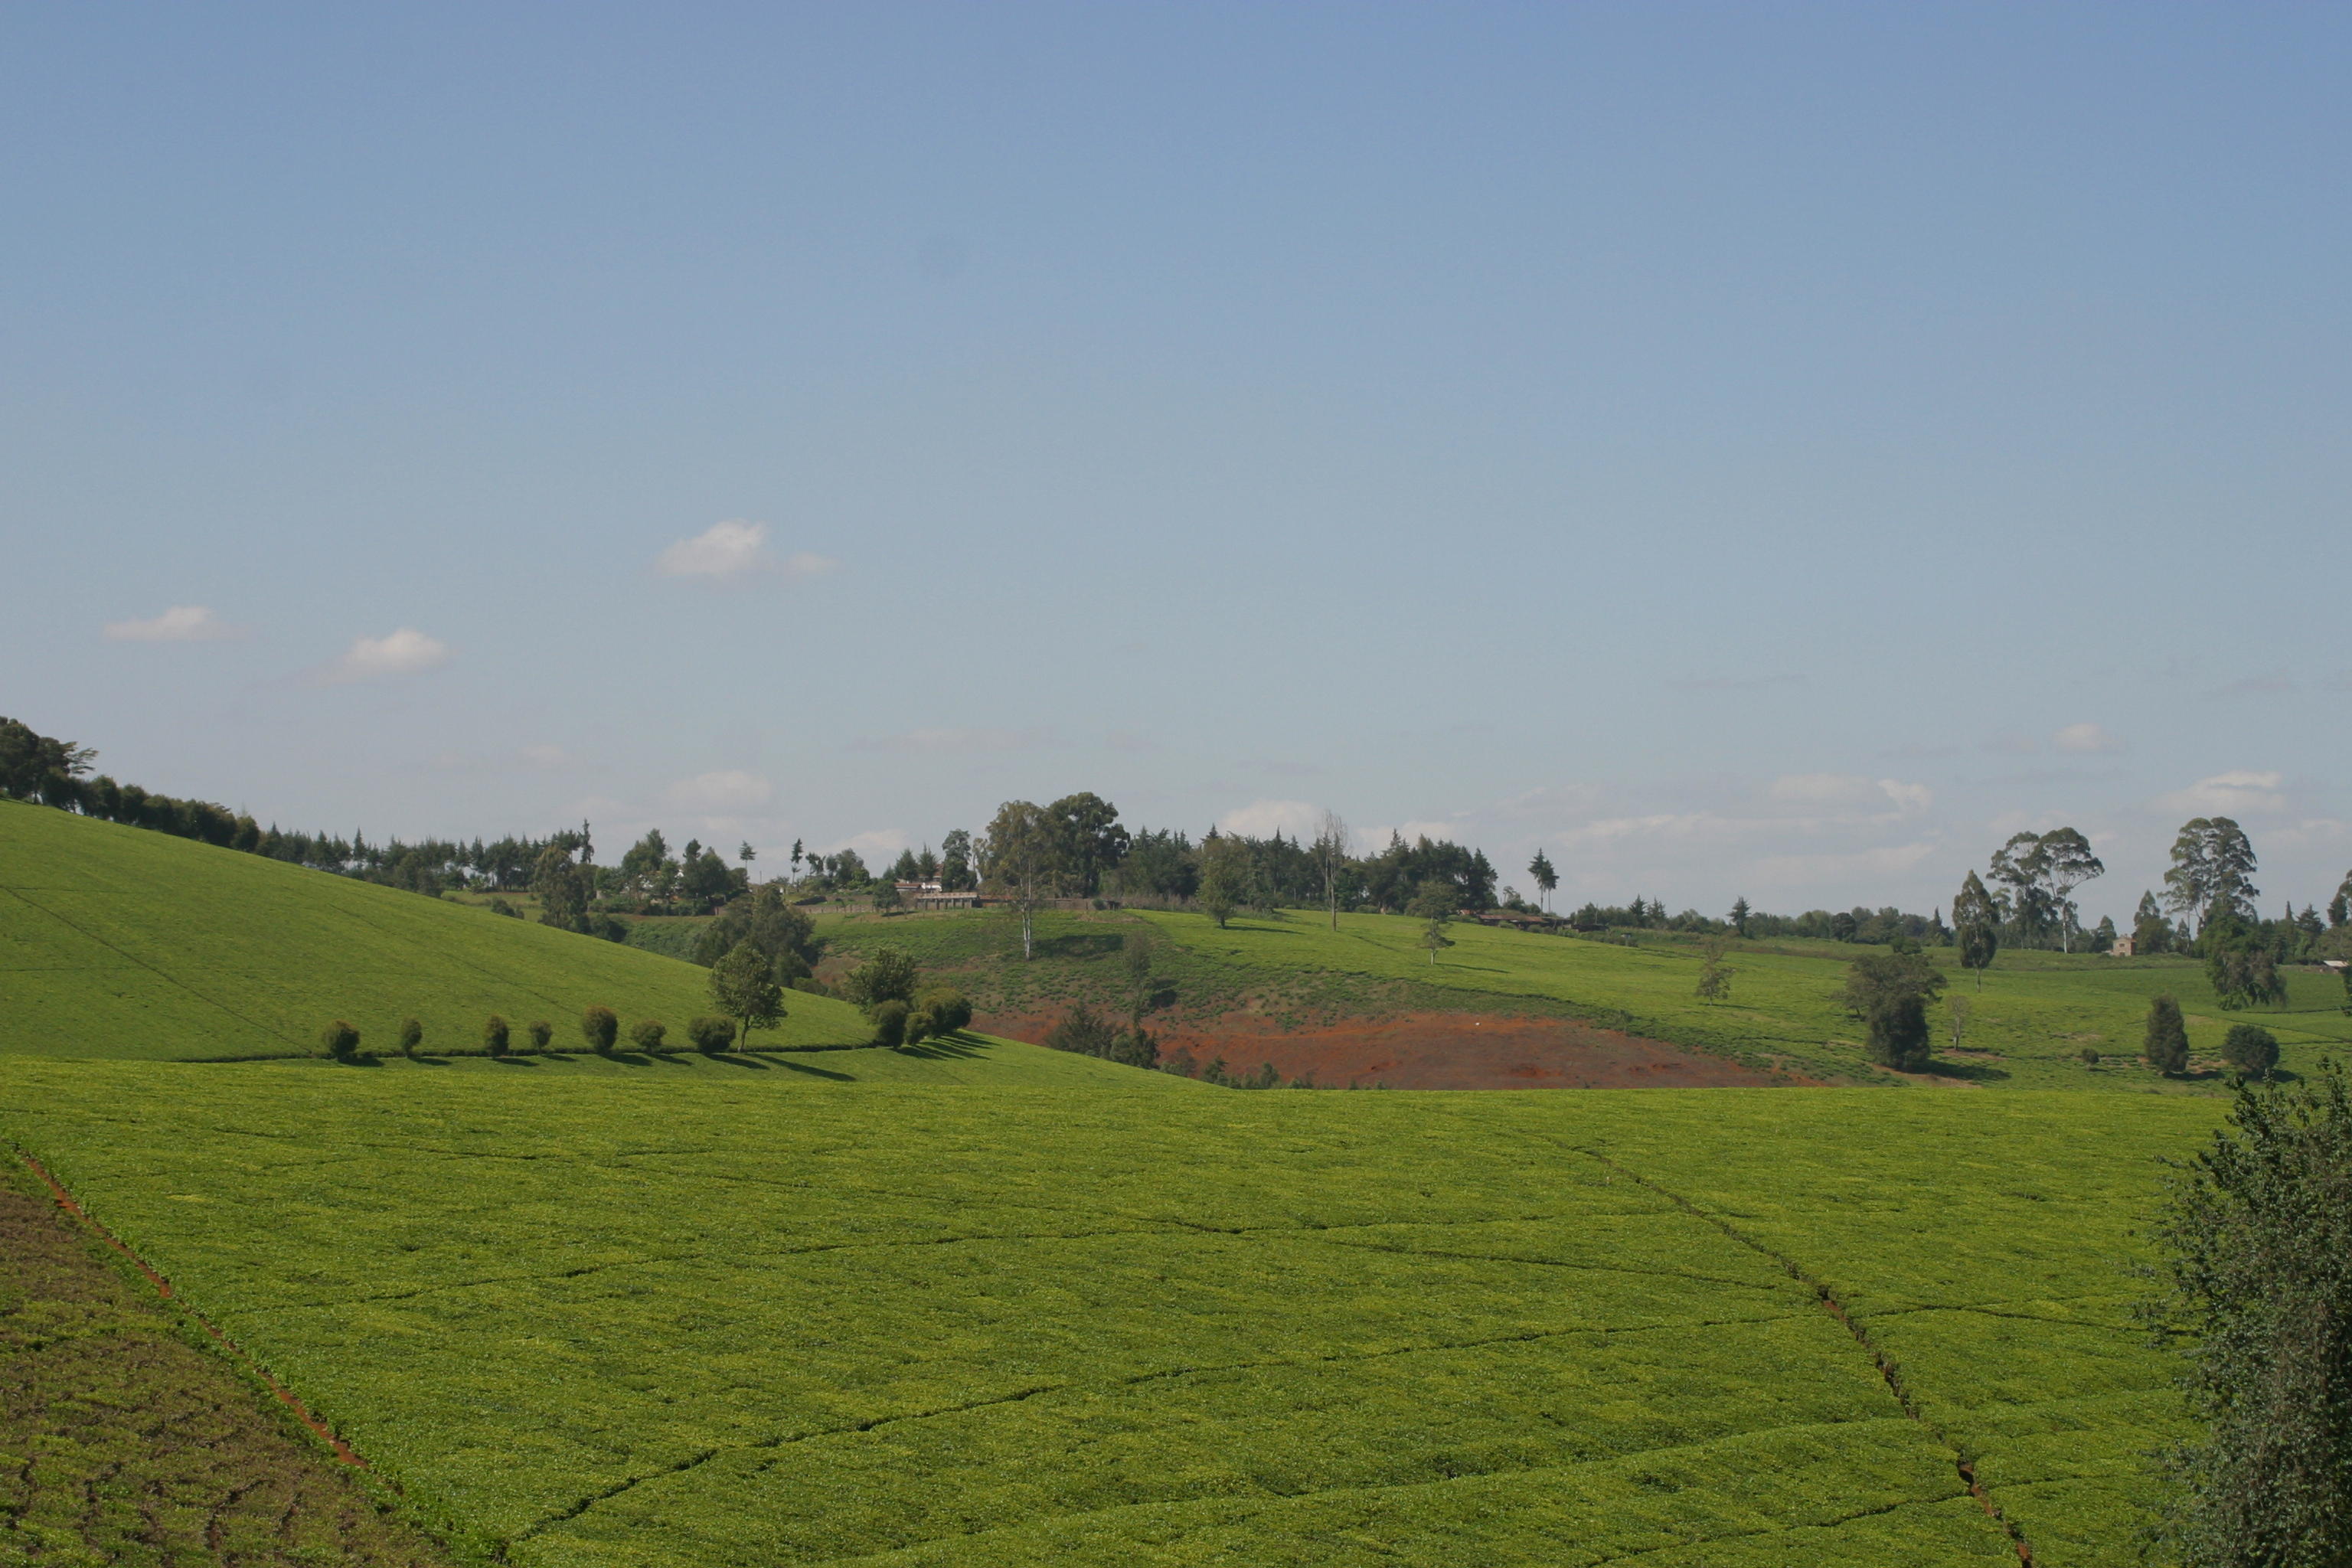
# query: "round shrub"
(339, 1040)
(2090, 1057)
(949, 1008)
(412, 1034)
(889, 1023)
(541, 1033)
(494, 1035)
(2250, 1049)
(646, 1034)
(600, 1026)
(711, 1035)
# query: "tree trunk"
(1028, 950)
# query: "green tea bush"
(495, 1035)
(646, 1034)
(947, 1008)
(889, 1023)
(710, 1034)
(412, 1034)
(543, 1034)
(339, 1040)
(600, 1026)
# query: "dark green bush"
(542, 1034)
(646, 1034)
(600, 1026)
(947, 1008)
(2167, 1042)
(412, 1034)
(711, 1035)
(889, 1023)
(2250, 1049)
(494, 1035)
(339, 1040)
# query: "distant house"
(916, 890)
(2122, 949)
(931, 895)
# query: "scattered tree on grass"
(889, 975)
(886, 899)
(1435, 905)
(711, 1035)
(784, 934)
(339, 1040)
(494, 1035)
(943, 1009)
(563, 890)
(1088, 1034)
(2241, 969)
(2256, 1237)
(743, 987)
(1890, 992)
(2151, 933)
(1224, 876)
(412, 1034)
(1956, 1017)
(889, 1019)
(600, 1026)
(1739, 916)
(1547, 879)
(1976, 926)
(647, 1035)
(2212, 872)
(1024, 863)
(2166, 1042)
(543, 1034)
(1714, 974)
(2254, 1052)
(1331, 860)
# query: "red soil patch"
(1445, 1050)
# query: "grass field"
(627, 1319)
(2027, 1027)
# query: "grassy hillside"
(2027, 1027)
(120, 942)
(646, 1320)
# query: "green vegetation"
(601, 1317)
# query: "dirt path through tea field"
(1442, 1050)
(129, 1443)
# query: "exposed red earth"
(1442, 1051)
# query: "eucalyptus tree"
(2212, 874)
(1547, 879)
(1332, 859)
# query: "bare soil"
(1441, 1050)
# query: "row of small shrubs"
(2251, 1049)
(600, 1026)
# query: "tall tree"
(2066, 863)
(1225, 878)
(1088, 840)
(1332, 859)
(2164, 1042)
(2151, 933)
(1547, 879)
(2212, 873)
(1890, 992)
(1024, 863)
(743, 987)
(1740, 914)
(1435, 905)
(1976, 927)
(956, 862)
(2339, 908)
(562, 889)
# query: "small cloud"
(2085, 737)
(731, 789)
(723, 550)
(181, 623)
(405, 652)
(1264, 818)
(2227, 794)
(940, 741)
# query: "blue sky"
(1765, 450)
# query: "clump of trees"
(1088, 1033)
(2256, 1241)
(1890, 992)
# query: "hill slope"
(120, 942)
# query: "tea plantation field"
(627, 1319)
(2027, 1026)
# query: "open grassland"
(637, 1320)
(120, 942)
(2027, 1026)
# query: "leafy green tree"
(563, 890)
(769, 922)
(339, 1040)
(2212, 872)
(948, 1009)
(412, 1034)
(1083, 1031)
(743, 987)
(647, 1035)
(886, 899)
(711, 1035)
(2251, 1049)
(2151, 933)
(1024, 863)
(1890, 992)
(1740, 915)
(956, 874)
(889, 975)
(1087, 840)
(2165, 1042)
(600, 1026)
(889, 1019)
(1435, 905)
(1547, 879)
(1225, 877)
(2240, 968)
(542, 1035)
(1714, 975)
(495, 1035)
(2339, 908)
(2256, 1240)
(1976, 927)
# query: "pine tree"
(2166, 1043)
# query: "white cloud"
(1852, 790)
(735, 548)
(181, 623)
(2233, 794)
(405, 652)
(953, 741)
(730, 789)
(1262, 818)
(2085, 737)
